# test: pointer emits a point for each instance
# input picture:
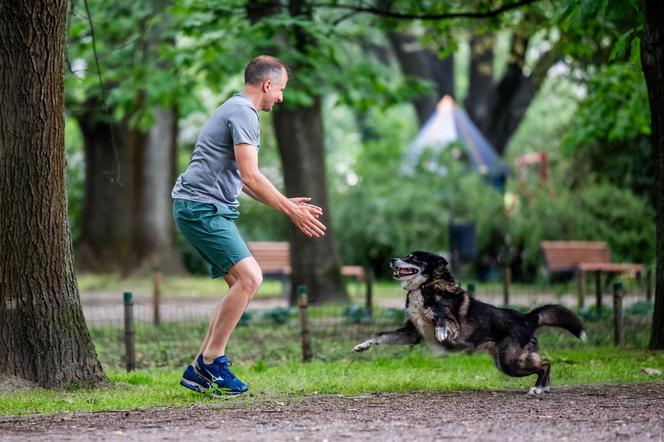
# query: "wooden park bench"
(583, 257)
(273, 257)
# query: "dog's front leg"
(447, 328)
(403, 336)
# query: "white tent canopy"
(450, 124)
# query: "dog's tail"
(558, 316)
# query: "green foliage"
(279, 315)
(598, 31)
(387, 213)
(601, 212)
(609, 135)
(357, 314)
(75, 176)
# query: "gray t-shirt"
(212, 175)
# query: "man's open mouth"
(400, 272)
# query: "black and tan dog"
(439, 312)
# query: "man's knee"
(249, 274)
(253, 281)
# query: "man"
(224, 163)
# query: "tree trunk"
(43, 336)
(299, 132)
(480, 74)
(314, 262)
(421, 63)
(154, 228)
(112, 165)
(652, 59)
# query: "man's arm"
(302, 215)
(317, 211)
(251, 193)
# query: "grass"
(396, 370)
(267, 353)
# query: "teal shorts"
(211, 229)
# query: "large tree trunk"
(112, 165)
(499, 107)
(423, 63)
(127, 225)
(314, 262)
(652, 59)
(480, 73)
(43, 336)
(299, 132)
(154, 227)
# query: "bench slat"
(273, 257)
(584, 256)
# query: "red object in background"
(537, 159)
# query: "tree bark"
(499, 107)
(314, 262)
(422, 63)
(652, 59)
(154, 238)
(112, 165)
(43, 335)
(480, 73)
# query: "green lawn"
(379, 370)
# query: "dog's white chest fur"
(423, 319)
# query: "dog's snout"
(393, 261)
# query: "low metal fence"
(133, 334)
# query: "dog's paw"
(537, 390)
(363, 346)
(443, 333)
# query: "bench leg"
(580, 276)
(598, 290)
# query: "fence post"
(507, 280)
(471, 289)
(369, 295)
(129, 331)
(156, 295)
(304, 323)
(618, 293)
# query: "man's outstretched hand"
(305, 217)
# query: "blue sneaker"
(193, 379)
(220, 377)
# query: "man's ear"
(266, 85)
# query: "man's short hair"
(264, 67)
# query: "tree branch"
(446, 16)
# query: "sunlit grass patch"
(397, 370)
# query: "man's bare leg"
(213, 319)
(245, 278)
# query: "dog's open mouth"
(400, 272)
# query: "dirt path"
(609, 412)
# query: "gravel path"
(589, 413)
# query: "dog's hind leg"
(525, 362)
(543, 369)
(403, 336)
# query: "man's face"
(273, 92)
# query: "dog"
(448, 319)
